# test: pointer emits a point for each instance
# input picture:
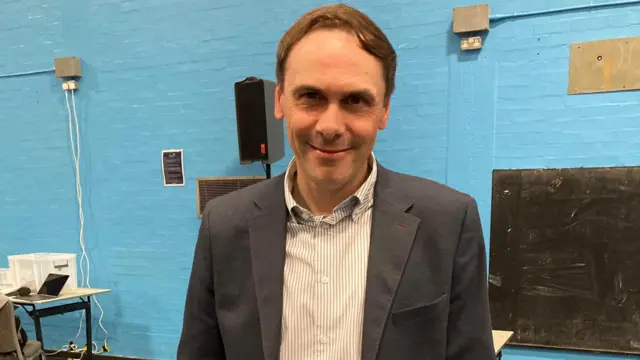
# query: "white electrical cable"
(83, 351)
(75, 146)
(75, 152)
(76, 163)
(68, 348)
(79, 198)
(79, 193)
(75, 115)
(64, 348)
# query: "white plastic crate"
(6, 279)
(32, 269)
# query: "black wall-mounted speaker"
(260, 134)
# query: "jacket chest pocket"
(434, 312)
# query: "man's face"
(333, 102)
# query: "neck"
(320, 198)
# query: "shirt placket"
(323, 294)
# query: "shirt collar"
(354, 205)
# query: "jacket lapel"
(392, 234)
(267, 231)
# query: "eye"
(355, 100)
(310, 95)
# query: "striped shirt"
(325, 276)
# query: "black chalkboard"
(565, 258)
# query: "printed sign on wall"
(173, 167)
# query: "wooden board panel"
(604, 66)
(565, 258)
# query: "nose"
(330, 124)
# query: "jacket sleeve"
(201, 338)
(469, 333)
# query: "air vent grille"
(209, 188)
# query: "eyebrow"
(364, 93)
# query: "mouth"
(328, 151)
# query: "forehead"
(333, 61)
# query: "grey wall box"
(68, 67)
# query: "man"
(339, 258)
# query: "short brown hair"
(343, 17)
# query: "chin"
(337, 170)
(329, 175)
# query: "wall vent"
(209, 188)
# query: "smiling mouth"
(328, 151)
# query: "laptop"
(50, 289)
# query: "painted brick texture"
(159, 74)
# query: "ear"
(383, 121)
(277, 103)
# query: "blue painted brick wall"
(159, 74)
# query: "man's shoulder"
(430, 199)
(426, 190)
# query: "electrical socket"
(471, 43)
(70, 85)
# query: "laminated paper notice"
(173, 167)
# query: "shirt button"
(325, 279)
(324, 339)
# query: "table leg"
(34, 314)
(36, 322)
(87, 315)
